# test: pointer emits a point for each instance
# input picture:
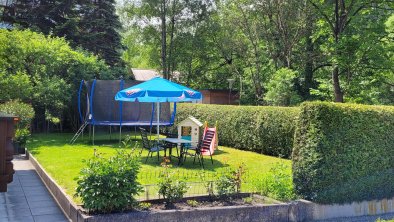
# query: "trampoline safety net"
(105, 110)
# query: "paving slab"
(27, 198)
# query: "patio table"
(180, 142)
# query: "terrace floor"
(27, 199)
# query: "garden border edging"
(286, 212)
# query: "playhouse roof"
(192, 119)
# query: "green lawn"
(64, 162)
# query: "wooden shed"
(219, 96)
(6, 149)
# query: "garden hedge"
(344, 152)
(267, 130)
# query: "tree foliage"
(341, 50)
(91, 25)
(281, 90)
(44, 71)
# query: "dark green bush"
(107, 185)
(344, 152)
(263, 129)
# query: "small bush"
(21, 136)
(144, 205)
(248, 200)
(277, 183)
(207, 184)
(262, 129)
(382, 220)
(344, 152)
(229, 182)
(107, 185)
(192, 203)
(171, 188)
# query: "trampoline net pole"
(93, 136)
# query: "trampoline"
(97, 107)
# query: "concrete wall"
(267, 213)
(365, 208)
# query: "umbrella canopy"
(158, 90)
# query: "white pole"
(158, 119)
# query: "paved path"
(27, 198)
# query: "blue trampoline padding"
(117, 123)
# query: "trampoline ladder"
(79, 132)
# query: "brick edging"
(69, 208)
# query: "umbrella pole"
(158, 121)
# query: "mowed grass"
(64, 161)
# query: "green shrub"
(144, 205)
(277, 183)
(248, 200)
(344, 152)
(382, 220)
(229, 181)
(225, 184)
(171, 188)
(21, 136)
(107, 185)
(192, 203)
(24, 111)
(267, 130)
(208, 185)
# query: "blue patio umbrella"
(158, 90)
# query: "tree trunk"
(335, 83)
(308, 69)
(170, 59)
(338, 94)
(164, 39)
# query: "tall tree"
(89, 24)
(162, 21)
(55, 17)
(99, 30)
(339, 16)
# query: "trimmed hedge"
(263, 129)
(344, 152)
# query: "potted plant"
(21, 136)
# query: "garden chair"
(146, 144)
(202, 147)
